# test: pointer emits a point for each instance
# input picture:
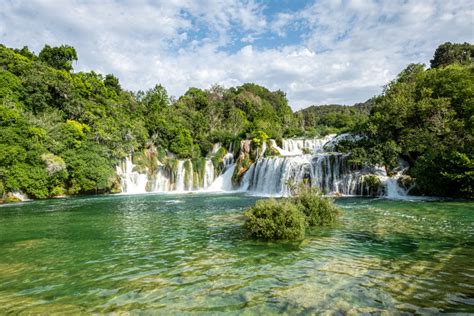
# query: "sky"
(317, 52)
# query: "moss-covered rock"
(408, 184)
(242, 166)
(372, 186)
(244, 161)
(10, 198)
(218, 159)
(199, 168)
(271, 151)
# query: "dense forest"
(63, 132)
(333, 118)
(426, 117)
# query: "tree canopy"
(64, 132)
(448, 53)
(425, 117)
(60, 57)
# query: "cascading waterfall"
(329, 172)
(182, 179)
(299, 146)
(180, 176)
(209, 174)
(299, 160)
(132, 181)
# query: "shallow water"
(178, 254)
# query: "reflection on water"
(189, 253)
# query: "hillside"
(64, 132)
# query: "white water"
(20, 195)
(223, 182)
(181, 180)
(209, 174)
(330, 172)
(393, 190)
(270, 176)
(180, 176)
(298, 145)
(132, 181)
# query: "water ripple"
(149, 254)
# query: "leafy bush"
(275, 220)
(286, 219)
(317, 209)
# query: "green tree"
(449, 53)
(113, 83)
(60, 57)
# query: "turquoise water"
(178, 254)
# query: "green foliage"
(198, 167)
(182, 144)
(286, 219)
(64, 132)
(448, 53)
(275, 220)
(112, 82)
(90, 170)
(218, 158)
(25, 51)
(317, 209)
(30, 179)
(330, 119)
(271, 152)
(60, 57)
(259, 137)
(426, 118)
(372, 185)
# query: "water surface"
(178, 254)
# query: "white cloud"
(349, 50)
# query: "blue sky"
(318, 52)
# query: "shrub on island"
(274, 220)
(317, 209)
(287, 218)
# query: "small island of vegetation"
(287, 218)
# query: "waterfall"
(228, 160)
(329, 172)
(163, 181)
(298, 146)
(215, 148)
(393, 190)
(300, 160)
(132, 182)
(208, 174)
(224, 181)
(182, 179)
